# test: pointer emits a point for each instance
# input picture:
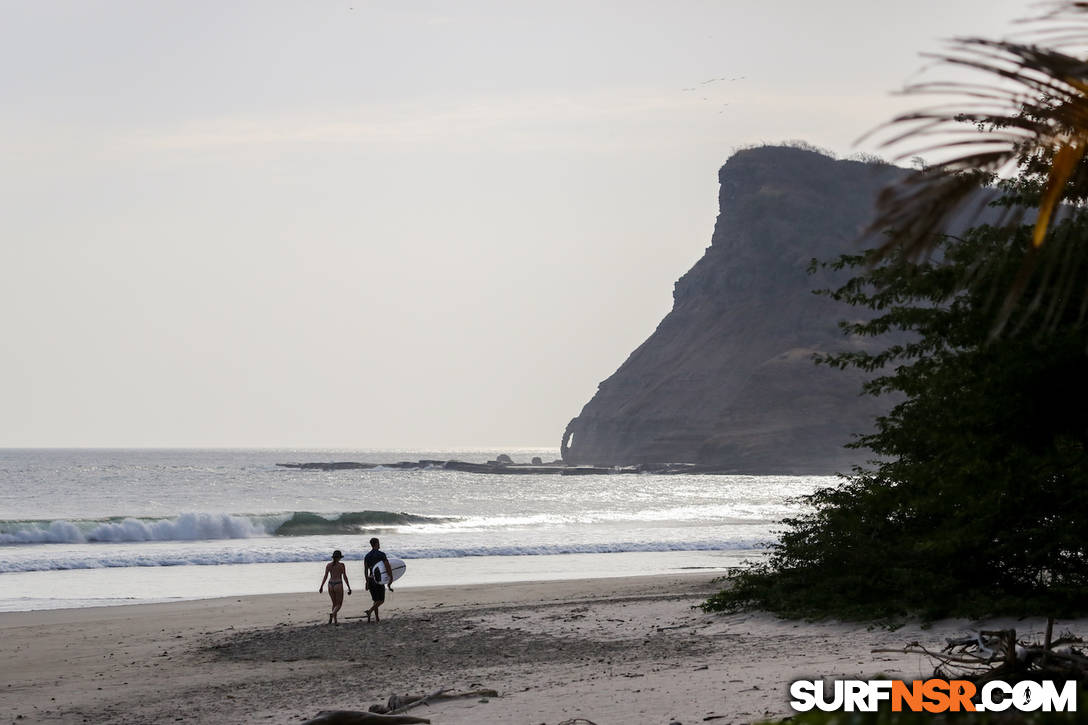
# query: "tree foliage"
(976, 500)
(1022, 107)
(1025, 107)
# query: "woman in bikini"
(337, 574)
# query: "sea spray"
(185, 527)
(204, 527)
(304, 523)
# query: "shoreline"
(127, 586)
(616, 650)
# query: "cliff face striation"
(727, 378)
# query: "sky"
(388, 225)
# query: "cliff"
(727, 379)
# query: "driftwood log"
(998, 654)
(354, 717)
(400, 703)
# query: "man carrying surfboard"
(375, 577)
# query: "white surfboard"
(380, 574)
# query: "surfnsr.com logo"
(932, 695)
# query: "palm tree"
(1027, 113)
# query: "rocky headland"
(727, 380)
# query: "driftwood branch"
(354, 717)
(1064, 656)
(992, 654)
(941, 656)
(400, 703)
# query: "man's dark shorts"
(377, 592)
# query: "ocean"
(95, 527)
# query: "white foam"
(58, 532)
(212, 555)
(186, 527)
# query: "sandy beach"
(621, 650)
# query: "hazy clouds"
(378, 224)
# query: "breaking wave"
(203, 527)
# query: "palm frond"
(1027, 112)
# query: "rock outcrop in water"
(727, 380)
(500, 467)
